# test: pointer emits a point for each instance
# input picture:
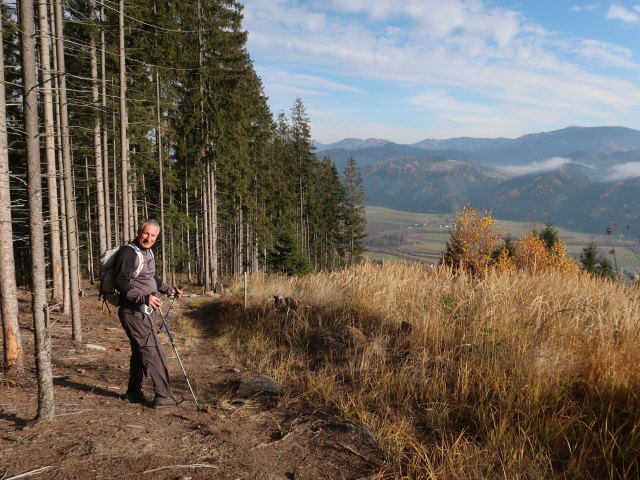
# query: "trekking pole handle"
(175, 288)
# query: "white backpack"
(108, 293)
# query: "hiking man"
(138, 299)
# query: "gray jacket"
(135, 291)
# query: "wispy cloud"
(624, 171)
(535, 167)
(618, 12)
(582, 8)
(607, 53)
(306, 81)
(491, 61)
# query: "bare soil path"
(96, 435)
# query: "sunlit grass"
(511, 376)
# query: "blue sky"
(406, 70)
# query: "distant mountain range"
(579, 177)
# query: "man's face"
(148, 235)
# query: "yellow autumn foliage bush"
(532, 255)
(473, 239)
(474, 247)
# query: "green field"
(409, 236)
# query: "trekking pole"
(166, 327)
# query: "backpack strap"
(140, 259)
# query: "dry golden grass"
(511, 376)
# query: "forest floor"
(97, 435)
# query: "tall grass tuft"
(514, 375)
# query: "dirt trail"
(97, 435)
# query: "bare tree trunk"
(89, 231)
(77, 227)
(50, 154)
(12, 343)
(145, 204)
(213, 229)
(105, 135)
(199, 264)
(66, 291)
(97, 134)
(74, 281)
(239, 241)
(173, 268)
(124, 140)
(46, 403)
(161, 173)
(133, 200)
(205, 233)
(66, 294)
(186, 204)
(116, 218)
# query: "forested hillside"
(119, 112)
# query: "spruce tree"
(353, 213)
(596, 264)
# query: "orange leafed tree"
(473, 239)
(534, 255)
(474, 247)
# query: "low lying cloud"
(535, 167)
(616, 173)
(624, 171)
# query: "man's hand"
(154, 302)
(176, 292)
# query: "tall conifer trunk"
(50, 153)
(72, 243)
(89, 224)
(120, 237)
(124, 140)
(59, 167)
(205, 232)
(161, 174)
(213, 227)
(97, 133)
(46, 404)
(13, 355)
(105, 133)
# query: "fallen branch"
(29, 473)
(73, 413)
(170, 467)
(347, 447)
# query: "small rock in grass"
(257, 385)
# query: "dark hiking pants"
(147, 354)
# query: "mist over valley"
(578, 177)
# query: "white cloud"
(607, 53)
(535, 167)
(581, 8)
(618, 12)
(624, 171)
(493, 63)
(286, 77)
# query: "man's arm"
(166, 288)
(162, 287)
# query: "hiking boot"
(134, 396)
(162, 402)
